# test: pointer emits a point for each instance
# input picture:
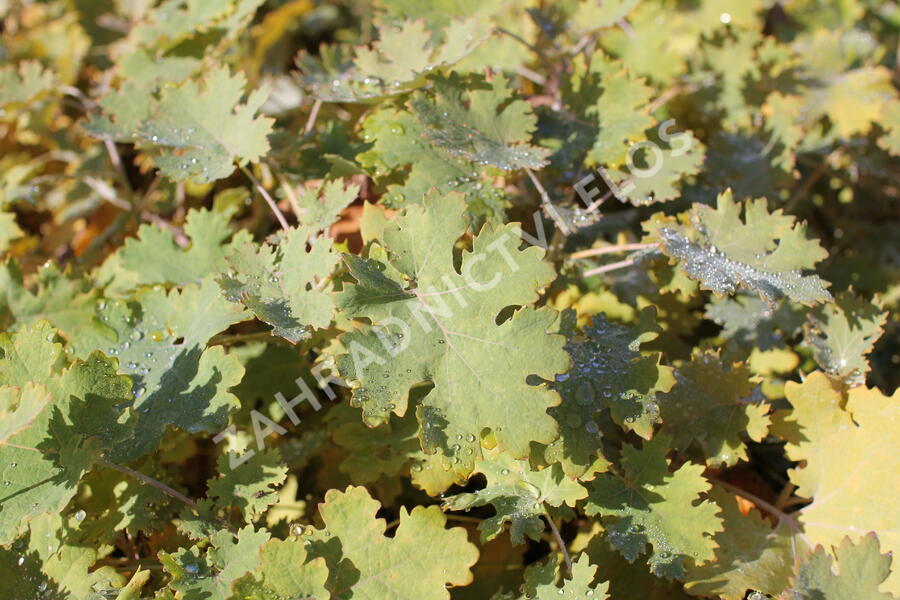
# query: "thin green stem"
(228, 339)
(560, 543)
(763, 504)
(152, 482)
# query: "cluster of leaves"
(402, 300)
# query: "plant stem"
(268, 198)
(291, 197)
(784, 497)
(767, 506)
(311, 121)
(527, 44)
(665, 97)
(610, 267)
(548, 204)
(153, 482)
(810, 181)
(627, 28)
(560, 543)
(610, 250)
(227, 339)
(598, 202)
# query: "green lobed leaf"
(765, 252)
(608, 371)
(843, 332)
(485, 125)
(160, 342)
(285, 572)
(713, 406)
(249, 486)
(647, 504)
(751, 555)
(430, 323)
(518, 494)
(42, 461)
(750, 322)
(400, 150)
(22, 86)
(858, 572)
(63, 299)
(282, 283)
(196, 130)
(212, 574)
(417, 563)
(320, 205)
(373, 452)
(154, 256)
(541, 582)
(172, 21)
(68, 555)
(394, 64)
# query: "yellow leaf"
(850, 470)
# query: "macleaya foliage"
(458, 299)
